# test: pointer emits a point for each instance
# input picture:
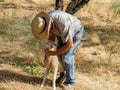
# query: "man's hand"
(65, 48)
(49, 53)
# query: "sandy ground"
(92, 72)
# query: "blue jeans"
(68, 57)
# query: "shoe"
(58, 80)
(68, 87)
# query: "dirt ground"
(97, 59)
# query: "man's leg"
(59, 5)
(59, 45)
(68, 58)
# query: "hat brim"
(45, 33)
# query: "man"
(68, 30)
(72, 7)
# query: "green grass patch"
(18, 30)
(110, 40)
(34, 70)
(15, 28)
(116, 6)
(31, 69)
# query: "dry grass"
(97, 59)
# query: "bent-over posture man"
(68, 30)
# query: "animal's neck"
(52, 49)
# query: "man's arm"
(65, 48)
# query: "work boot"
(68, 87)
(58, 80)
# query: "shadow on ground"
(12, 76)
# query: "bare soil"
(97, 59)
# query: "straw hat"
(41, 25)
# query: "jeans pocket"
(79, 34)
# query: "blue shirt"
(64, 24)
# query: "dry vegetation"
(97, 59)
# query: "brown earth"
(97, 59)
